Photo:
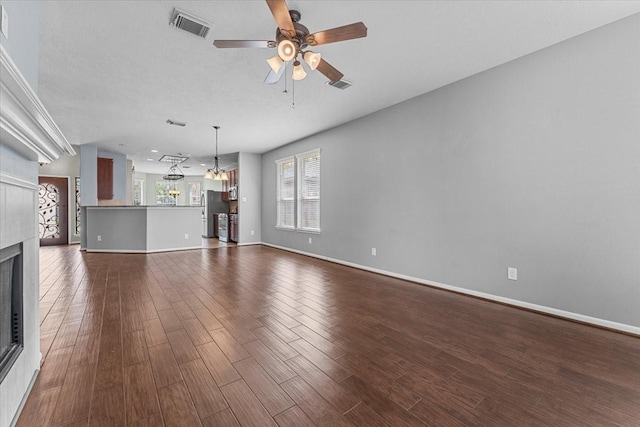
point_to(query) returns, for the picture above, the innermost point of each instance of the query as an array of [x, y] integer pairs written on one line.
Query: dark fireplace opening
[[11, 323]]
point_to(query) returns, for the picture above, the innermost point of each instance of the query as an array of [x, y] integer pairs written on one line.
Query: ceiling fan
[[292, 40]]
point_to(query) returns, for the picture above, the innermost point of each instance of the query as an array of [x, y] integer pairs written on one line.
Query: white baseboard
[[622, 327], [250, 244], [25, 397], [141, 251]]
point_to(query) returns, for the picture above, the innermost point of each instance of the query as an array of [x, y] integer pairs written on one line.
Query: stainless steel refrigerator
[[212, 205]]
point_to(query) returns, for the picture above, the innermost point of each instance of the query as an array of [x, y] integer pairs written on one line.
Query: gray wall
[[88, 175], [23, 44], [124, 229], [249, 201], [534, 164]]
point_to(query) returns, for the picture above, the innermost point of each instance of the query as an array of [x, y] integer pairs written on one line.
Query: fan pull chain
[[285, 78], [293, 94]]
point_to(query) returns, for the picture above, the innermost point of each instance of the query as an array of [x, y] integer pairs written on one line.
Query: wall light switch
[[244, 199], [99, 238], [186, 235], [253, 232], [4, 24], [373, 251], [310, 240], [512, 273]]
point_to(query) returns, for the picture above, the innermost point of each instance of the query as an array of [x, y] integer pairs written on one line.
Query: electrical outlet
[[512, 273], [310, 240], [373, 251], [99, 237], [186, 235], [253, 232]]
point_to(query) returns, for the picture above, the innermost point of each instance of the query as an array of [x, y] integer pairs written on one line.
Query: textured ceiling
[[113, 72]]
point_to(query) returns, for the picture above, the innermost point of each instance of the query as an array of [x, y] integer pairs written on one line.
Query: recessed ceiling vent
[[341, 84], [189, 23]]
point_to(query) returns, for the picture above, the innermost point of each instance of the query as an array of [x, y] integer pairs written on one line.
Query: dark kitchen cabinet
[[105, 178], [233, 178]]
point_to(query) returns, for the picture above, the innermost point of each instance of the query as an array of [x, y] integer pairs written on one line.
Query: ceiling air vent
[[341, 84], [189, 23]]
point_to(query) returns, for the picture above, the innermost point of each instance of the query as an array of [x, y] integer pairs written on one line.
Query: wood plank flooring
[[255, 336]]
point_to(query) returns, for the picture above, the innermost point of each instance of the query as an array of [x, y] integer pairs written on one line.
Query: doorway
[[53, 210]]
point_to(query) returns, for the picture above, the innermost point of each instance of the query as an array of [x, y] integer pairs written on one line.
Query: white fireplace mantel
[[28, 134], [25, 124]]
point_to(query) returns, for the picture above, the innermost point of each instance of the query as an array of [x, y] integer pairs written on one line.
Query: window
[[78, 205], [298, 192], [194, 194], [162, 193], [285, 193], [138, 192], [309, 191]]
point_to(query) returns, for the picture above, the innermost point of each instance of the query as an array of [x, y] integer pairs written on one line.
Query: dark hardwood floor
[[255, 336]]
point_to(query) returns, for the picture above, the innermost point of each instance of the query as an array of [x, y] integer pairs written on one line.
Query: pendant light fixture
[[216, 173], [174, 173]]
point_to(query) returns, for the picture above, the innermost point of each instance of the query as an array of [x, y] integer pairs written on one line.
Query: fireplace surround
[[28, 136], [11, 321]]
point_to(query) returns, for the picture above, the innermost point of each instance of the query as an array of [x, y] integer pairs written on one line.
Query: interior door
[[52, 211]]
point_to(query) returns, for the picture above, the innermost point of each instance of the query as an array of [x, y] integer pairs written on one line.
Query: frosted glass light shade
[[275, 63], [224, 176], [208, 174], [312, 59], [217, 177], [286, 50], [298, 71]]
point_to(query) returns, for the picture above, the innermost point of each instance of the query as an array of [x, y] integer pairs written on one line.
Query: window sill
[[308, 231], [301, 230]]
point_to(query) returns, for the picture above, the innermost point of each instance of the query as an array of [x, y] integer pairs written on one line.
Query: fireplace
[[11, 322]]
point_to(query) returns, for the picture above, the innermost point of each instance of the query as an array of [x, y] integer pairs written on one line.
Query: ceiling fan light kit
[[312, 59], [275, 63], [287, 50], [292, 37], [298, 71]]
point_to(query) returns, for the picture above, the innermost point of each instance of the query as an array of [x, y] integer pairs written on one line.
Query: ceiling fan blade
[[338, 34], [273, 78], [244, 43], [280, 12], [329, 71]]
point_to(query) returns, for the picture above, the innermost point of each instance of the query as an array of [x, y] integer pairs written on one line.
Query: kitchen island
[[140, 229]]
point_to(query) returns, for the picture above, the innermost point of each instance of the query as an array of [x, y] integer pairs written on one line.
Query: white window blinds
[[309, 191], [285, 193]]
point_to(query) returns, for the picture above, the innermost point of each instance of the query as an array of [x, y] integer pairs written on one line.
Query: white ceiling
[[113, 72]]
